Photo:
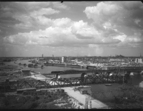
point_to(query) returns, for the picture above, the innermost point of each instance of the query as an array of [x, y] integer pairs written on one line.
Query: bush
[[34, 105], [131, 98]]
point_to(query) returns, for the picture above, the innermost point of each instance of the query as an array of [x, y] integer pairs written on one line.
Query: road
[[82, 97]]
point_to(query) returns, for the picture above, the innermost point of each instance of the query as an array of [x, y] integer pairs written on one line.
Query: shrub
[[131, 98]]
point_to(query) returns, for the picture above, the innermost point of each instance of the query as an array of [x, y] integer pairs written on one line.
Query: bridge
[[86, 77]]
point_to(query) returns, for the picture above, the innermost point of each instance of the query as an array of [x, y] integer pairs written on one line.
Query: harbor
[[71, 55]]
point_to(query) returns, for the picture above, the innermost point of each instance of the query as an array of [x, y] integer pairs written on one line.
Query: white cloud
[[98, 13], [130, 41], [62, 22], [122, 38], [66, 32], [137, 21], [30, 6], [107, 25], [35, 18], [85, 30], [44, 11], [111, 18], [62, 32]]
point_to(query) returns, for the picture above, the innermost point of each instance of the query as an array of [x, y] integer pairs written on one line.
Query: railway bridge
[[86, 77]]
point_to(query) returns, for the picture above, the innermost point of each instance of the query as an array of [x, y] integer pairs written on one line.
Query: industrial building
[[62, 60]]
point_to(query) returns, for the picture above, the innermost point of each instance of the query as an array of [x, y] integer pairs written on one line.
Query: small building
[[141, 84], [30, 65], [26, 72], [91, 67], [138, 60], [62, 60]]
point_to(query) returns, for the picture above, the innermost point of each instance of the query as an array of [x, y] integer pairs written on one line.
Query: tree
[[131, 98]]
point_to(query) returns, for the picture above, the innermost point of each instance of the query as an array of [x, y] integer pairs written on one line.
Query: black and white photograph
[[71, 55]]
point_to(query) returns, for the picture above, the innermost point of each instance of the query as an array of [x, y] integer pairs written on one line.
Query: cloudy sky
[[71, 28]]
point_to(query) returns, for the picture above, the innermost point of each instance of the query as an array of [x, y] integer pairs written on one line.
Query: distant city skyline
[[71, 28], [77, 56]]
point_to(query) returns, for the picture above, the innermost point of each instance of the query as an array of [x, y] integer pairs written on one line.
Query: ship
[[73, 66], [54, 64]]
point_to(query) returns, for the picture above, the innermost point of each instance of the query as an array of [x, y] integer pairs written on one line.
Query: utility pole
[[88, 102], [123, 77], [88, 93]]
